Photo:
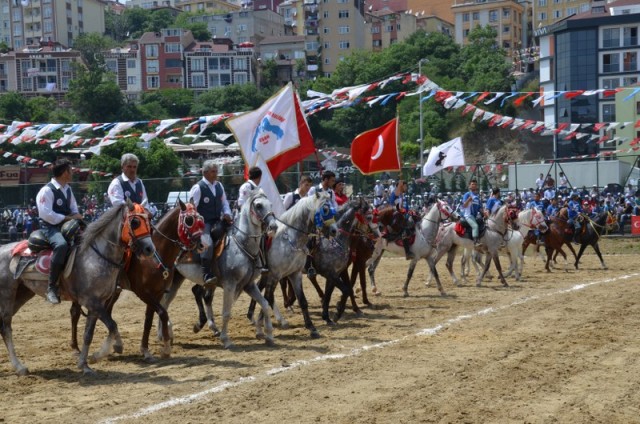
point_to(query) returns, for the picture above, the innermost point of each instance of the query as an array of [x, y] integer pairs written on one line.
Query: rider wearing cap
[[398, 200], [574, 209], [472, 207]]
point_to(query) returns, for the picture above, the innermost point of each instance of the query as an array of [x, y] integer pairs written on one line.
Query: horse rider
[[575, 209], [293, 197], [338, 190], [552, 209], [328, 181], [245, 191], [127, 185], [57, 205], [211, 202], [253, 183], [471, 208], [537, 203], [398, 199], [378, 193], [494, 202]]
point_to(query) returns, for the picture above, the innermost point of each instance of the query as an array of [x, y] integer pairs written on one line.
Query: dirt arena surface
[[559, 347]]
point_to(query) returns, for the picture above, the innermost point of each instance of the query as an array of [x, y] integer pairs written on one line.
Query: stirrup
[[209, 279]]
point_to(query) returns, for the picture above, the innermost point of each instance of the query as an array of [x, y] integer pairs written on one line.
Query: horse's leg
[[372, 264], [583, 247], [361, 271], [75, 311], [496, 260], [207, 298], [412, 267], [597, 249], [451, 255], [296, 280], [352, 296], [252, 290], [22, 296], [104, 314], [484, 270], [269, 294], [90, 327], [228, 299], [326, 299], [432, 267], [168, 297], [549, 250], [198, 294], [262, 284], [314, 281], [344, 285]]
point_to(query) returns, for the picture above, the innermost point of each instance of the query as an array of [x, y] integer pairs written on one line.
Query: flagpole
[[420, 109]]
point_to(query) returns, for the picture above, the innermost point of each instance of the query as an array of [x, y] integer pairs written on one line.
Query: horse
[[493, 239], [331, 256], [559, 234], [177, 233], [89, 278], [590, 234], [363, 243], [287, 257], [236, 268], [422, 247]]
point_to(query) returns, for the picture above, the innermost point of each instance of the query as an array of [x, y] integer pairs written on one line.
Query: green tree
[[159, 20], [4, 47], [176, 102], [13, 106], [41, 109], [91, 46], [199, 30], [94, 96], [232, 98], [116, 25], [136, 20], [485, 65]]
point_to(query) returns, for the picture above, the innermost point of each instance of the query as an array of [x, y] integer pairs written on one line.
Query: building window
[[214, 80], [327, 45], [476, 16], [557, 14], [197, 64], [325, 14], [172, 48], [389, 28], [132, 80], [465, 17], [506, 13], [611, 63], [327, 61], [343, 14], [493, 16], [608, 113], [343, 30], [153, 81], [637, 108], [572, 11], [377, 43], [225, 79], [197, 80], [630, 36], [325, 30], [610, 83], [152, 66], [174, 79], [240, 78], [628, 81], [343, 45], [629, 61], [173, 63], [542, 3], [375, 30], [112, 65], [610, 37], [241, 64], [225, 63], [131, 63], [465, 33], [506, 29], [151, 50], [213, 63], [542, 16]]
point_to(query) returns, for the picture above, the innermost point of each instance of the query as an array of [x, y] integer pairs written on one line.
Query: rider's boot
[[53, 295], [207, 275], [407, 249]]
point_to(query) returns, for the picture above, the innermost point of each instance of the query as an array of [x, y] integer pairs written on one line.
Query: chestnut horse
[[177, 233], [559, 234]]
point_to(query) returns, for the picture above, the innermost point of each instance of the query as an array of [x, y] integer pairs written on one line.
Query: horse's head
[[611, 222], [260, 213], [325, 220], [444, 210], [136, 229], [190, 226], [537, 221]]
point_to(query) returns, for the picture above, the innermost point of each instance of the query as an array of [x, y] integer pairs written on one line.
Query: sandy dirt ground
[[553, 348]]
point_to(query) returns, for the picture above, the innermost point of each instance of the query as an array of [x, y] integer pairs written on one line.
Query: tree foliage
[[94, 96], [92, 46]]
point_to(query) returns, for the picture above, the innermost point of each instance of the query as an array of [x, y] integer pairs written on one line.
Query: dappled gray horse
[[421, 248], [89, 278], [237, 267]]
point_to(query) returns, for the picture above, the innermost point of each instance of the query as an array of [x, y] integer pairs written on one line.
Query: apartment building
[[29, 22], [546, 12], [125, 64], [38, 71], [217, 63], [385, 27], [152, 4], [161, 58], [243, 26], [505, 16], [593, 50], [290, 55], [208, 6]]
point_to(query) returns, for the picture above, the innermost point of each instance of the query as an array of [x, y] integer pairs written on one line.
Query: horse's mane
[[298, 211], [94, 229]]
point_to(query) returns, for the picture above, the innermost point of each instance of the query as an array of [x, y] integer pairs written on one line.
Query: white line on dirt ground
[[220, 387]]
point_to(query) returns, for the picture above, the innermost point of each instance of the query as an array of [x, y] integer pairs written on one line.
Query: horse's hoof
[[285, 325], [314, 334], [150, 359], [269, 342], [330, 323], [92, 359], [443, 294], [260, 336], [118, 349], [216, 333], [86, 370], [359, 314], [196, 328], [165, 355], [405, 294], [22, 371]]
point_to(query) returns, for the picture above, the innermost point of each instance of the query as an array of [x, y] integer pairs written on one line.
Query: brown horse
[[177, 233], [560, 233]]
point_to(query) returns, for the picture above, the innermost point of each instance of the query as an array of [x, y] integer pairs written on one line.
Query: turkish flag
[[377, 150]]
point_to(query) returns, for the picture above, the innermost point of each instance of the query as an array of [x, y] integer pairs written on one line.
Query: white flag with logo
[[443, 156], [268, 131]]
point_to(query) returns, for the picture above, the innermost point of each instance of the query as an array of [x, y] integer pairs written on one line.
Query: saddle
[[24, 260], [464, 230], [399, 241]]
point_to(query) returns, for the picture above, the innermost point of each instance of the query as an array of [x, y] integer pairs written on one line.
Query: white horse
[[422, 247], [288, 254], [532, 219], [495, 236], [237, 267]]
